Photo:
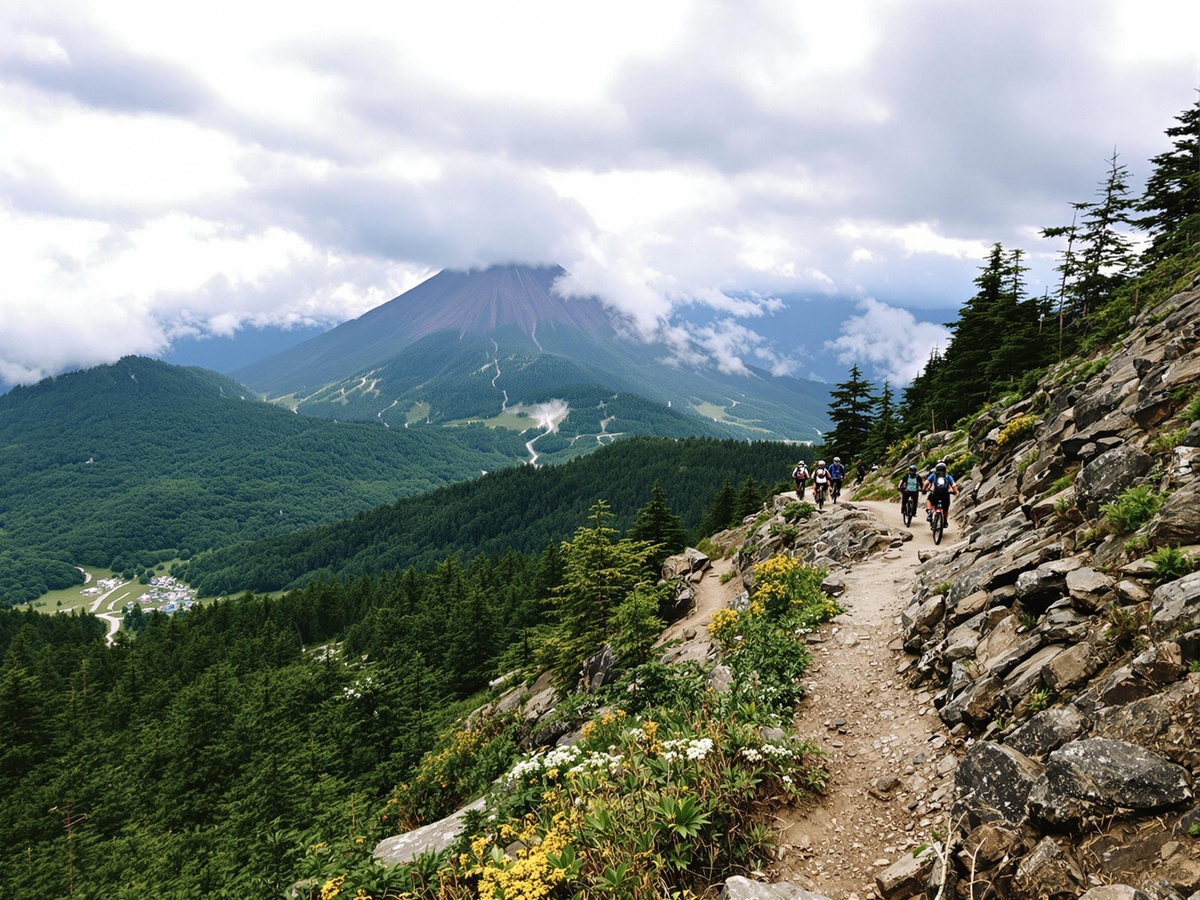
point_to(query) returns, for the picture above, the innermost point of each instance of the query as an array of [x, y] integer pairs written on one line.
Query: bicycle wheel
[[908, 511], [820, 499], [939, 525]]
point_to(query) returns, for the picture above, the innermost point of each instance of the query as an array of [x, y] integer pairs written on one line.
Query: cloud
[[888, 341], [175, 170]]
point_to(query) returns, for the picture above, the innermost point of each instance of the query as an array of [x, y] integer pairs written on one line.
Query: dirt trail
[[891, 759]]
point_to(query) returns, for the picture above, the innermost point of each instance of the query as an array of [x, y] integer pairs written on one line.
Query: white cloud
[[171, 169], [889, 341]]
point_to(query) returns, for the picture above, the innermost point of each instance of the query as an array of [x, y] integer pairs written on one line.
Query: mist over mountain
[[496, 345]]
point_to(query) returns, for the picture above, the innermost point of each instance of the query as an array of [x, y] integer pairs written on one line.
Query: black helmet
[[912, 468], [941, 466]]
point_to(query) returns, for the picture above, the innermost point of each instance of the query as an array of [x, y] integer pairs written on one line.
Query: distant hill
[[518, 510], [141, 455], [497, 345]]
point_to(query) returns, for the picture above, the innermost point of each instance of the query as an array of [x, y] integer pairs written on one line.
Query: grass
[[1132, 509]]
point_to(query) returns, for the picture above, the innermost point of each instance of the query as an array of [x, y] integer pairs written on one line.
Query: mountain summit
[[498, 345], [518, 298]]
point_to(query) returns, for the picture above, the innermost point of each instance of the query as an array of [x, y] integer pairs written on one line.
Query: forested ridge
[[518, 509], [141, 455]]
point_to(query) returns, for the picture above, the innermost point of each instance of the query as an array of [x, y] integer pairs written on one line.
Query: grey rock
[[432, 838], [1101, 777], [976, 703], [992, 785], [1175, 607], [1178, 521], [1041, 586], [739, 888], [1089, 590], [1102, 479], [1160, 663], [1048, 730], [1139, 722], [1072, 667], [906, 876], [1049, 872], [988, 845]]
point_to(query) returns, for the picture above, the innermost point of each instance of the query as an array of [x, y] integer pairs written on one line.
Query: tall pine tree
[[1171, 202], [852, 412]]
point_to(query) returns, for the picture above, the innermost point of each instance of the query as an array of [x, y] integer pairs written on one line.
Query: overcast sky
[[718, 172]]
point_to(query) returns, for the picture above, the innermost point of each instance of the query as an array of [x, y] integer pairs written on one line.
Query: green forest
[[518, 509], [259, 746]]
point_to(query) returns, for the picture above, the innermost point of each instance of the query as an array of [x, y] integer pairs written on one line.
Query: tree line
[[1003, 339]]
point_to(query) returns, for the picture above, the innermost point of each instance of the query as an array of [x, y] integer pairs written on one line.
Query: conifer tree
[[885, 427], [1171, 201], [851, 411], [748, 501], [599, 573], [657, 525], [721, 515]]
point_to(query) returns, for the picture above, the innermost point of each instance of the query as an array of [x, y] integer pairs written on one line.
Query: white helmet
[[837, 459], [820, 462]]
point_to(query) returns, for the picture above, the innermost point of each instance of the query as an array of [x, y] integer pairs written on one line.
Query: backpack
[[941, 482], [800, 472], [821, 473]]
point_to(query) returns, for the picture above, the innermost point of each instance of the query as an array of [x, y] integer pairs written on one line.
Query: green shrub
[[1171, 563], [1132, 509], [1191, 412], [798, 511]]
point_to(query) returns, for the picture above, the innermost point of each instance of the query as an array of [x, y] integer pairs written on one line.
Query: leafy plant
[[1125, 624], [1039, 699], [1171, 563], [1016, 430], [798, 511], [1132, 509]]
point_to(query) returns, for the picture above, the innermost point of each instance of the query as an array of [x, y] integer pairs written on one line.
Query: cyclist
[[800, 475], [860, 472], [837, 474], [909, 486], [939, 486], [820, 477]]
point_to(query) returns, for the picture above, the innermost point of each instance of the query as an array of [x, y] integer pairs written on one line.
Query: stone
[[1178, 521], [1048, 872], [1102, 479], [906, 876], [1048, 730], [975, 703], [988, 845], [1175, 607], [431, 838], [1139, 722], [1101, 777], [1072, 667], [1114, 892], [685, 564], [1161, 663], [992, 785], [1089, 590], [740, 888], [1045, 584], [918, 620], [968, 606]]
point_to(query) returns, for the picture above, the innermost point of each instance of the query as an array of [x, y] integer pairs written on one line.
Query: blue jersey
[[939, 484], [837, 472]]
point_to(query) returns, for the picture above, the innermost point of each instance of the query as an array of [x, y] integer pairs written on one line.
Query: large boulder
[[1102, 479], [740, 888], [1048, 730], [1102, 777], [992, 785]]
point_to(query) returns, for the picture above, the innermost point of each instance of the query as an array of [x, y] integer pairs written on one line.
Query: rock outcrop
[[1066, 649]]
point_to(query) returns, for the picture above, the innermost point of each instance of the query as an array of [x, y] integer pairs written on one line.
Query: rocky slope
[[1069, 659]]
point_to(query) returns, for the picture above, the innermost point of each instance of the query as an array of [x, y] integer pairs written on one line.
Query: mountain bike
[[908, 508], [835, 490], [937, 521], [819, 495]]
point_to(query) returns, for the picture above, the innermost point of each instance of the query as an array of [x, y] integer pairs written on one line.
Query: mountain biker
[[820, 477], [909, 486], [800, 474], [860, 472], [939, 486], [837, 474]]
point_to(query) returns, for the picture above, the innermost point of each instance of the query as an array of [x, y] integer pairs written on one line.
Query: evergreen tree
[[851, 411], [599, 573], [749, 500], [885, 428], [721, 515], [1099, 254], [1171, 202], [657, 525]]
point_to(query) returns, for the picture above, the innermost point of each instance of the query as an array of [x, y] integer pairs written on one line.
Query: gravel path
[[891, 759]]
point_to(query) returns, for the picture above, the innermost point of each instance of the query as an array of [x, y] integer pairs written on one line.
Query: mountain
[[144, 456], [500, 346]]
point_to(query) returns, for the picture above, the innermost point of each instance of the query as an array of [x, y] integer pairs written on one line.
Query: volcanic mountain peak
[[473, 302]]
